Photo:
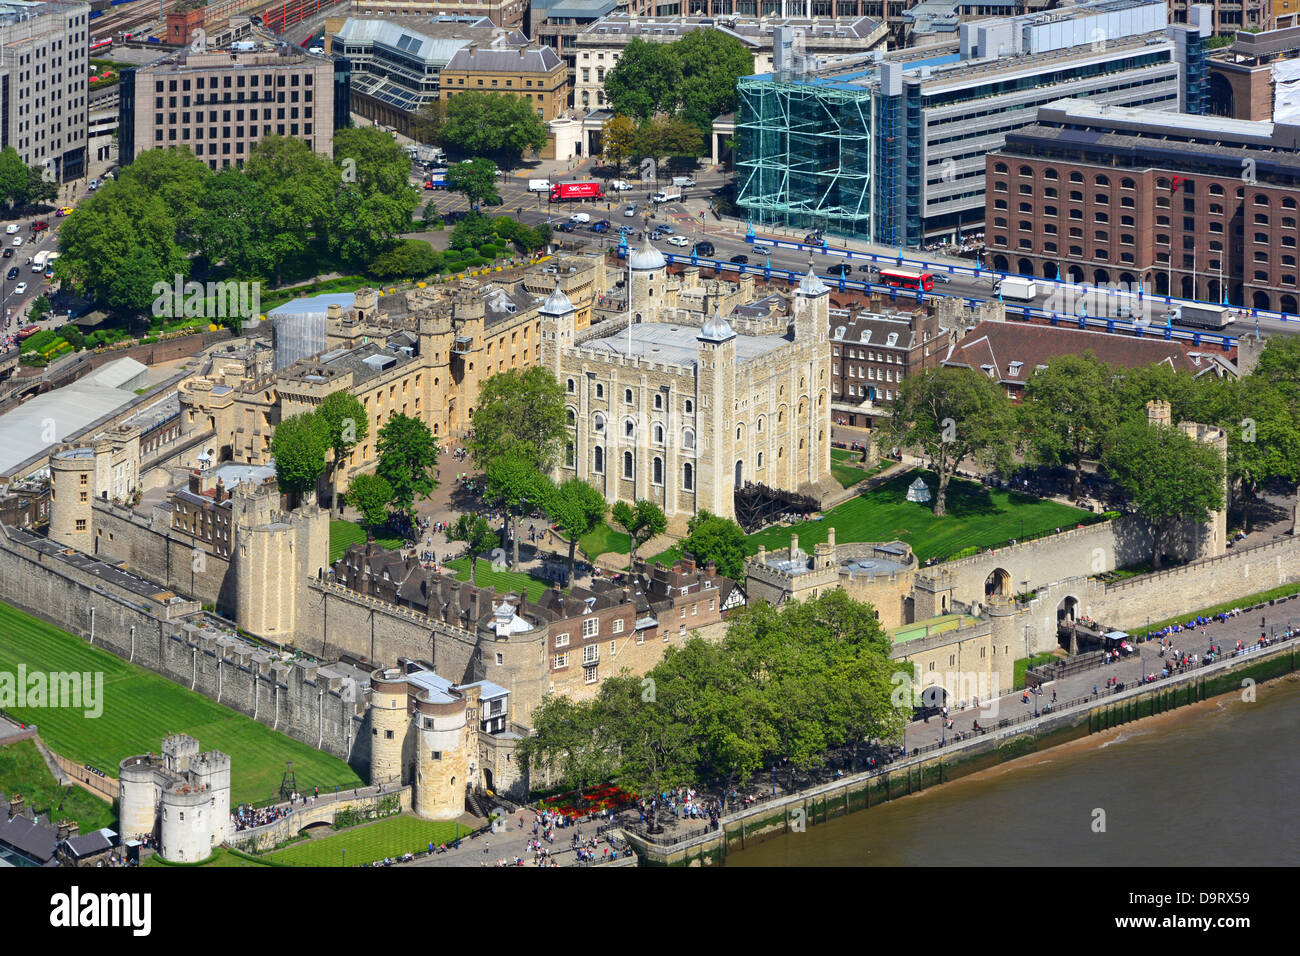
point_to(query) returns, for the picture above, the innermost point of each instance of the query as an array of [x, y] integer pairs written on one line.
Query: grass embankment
[[221, 857], [503, 581], [392, 836], [604, 540], [140, 708], [978, 517], [847, 468], [1024, 663], [23, 770]]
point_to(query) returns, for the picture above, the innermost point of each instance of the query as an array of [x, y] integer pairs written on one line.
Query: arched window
[[760, 425], [688, 477], [627, 464], [690, 407], [598, 424], [760, 459], [599, 466], [571, 386], [658, 471], [629, 429], [688, 438], [659, 401], [659, 434], [570, 417], [627, 396]]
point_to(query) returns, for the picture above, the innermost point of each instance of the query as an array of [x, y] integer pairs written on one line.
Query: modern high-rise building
[[890, 147], [43, 80], [220, 103]]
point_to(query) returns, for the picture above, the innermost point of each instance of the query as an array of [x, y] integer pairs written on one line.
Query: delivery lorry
[[1202, 316], [565, 192], [1014, 287], [668, 195]]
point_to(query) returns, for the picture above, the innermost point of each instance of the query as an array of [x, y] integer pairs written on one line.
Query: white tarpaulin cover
[[1286, 91]]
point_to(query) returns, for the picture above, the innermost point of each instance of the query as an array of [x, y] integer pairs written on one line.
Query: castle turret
[[444, 746], [649, 271], [717, 384], [72, 488], [138, 799], [388, 725]]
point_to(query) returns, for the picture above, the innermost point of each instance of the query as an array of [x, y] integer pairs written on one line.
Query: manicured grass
[[503, 581], [344, 534], [847, 472], [220, 857], [977, 517], [1024, 663], [140, 708], [23, 770], [603, 540], [391, 836]]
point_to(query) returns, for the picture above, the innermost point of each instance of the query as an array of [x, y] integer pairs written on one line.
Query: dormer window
[[989, 370], [1014, 369]]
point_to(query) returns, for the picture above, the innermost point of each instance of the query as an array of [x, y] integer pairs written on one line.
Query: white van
[[539, 185], [683, 181]]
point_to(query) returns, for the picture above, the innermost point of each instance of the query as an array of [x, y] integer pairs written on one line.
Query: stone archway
[[1067, 612], [997, 583]]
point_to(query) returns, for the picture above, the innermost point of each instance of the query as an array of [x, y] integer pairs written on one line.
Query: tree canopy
[[710, 537], [642, 521], [345, 422], [1070, 410], [299, 445], [519, 413], [502, 126], [577, 508], [476, 179], [408, 455], [693, 77], [478, 537], [371, 495]]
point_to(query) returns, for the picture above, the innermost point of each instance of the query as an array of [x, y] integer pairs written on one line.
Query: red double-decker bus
[[903, 279]]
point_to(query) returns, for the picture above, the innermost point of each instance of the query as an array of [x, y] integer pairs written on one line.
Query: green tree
[[520, 413], [374, 201], [647, 80], [1279, 364], [519, 487], [118, 246], [1168, 476], [665, 137], [426, 125], [711, 63], [227, 224], [299, 445], [642, 521], [294, 201], [713, 538], [501, 125], [41, 185], [951, 414], [568, 743], [408, 259], [616, 136], [1069, 411], [476, 179], [577, 508], [478, 537], [408, 455], [13, 178], [371, 495], [345, 418], [180, 179]]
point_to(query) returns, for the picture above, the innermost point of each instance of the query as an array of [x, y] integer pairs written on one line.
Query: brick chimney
[[196, 483], [64, 828], [710, 570], [688, 563], [15, 805]]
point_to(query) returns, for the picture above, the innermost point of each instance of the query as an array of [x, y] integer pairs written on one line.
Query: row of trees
[[168, 213], [23, 186], [656, 138], [784, 686], [693, 78], [1081, 409]]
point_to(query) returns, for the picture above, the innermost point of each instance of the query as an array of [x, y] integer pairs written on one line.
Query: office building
[[890, 147], [220, 103], [43, 84], [1195, 204], [536, 73]]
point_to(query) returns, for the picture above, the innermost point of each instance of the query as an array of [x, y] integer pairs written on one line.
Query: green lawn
[[391, 836], [344, 534], [977, 517], [1023, 664], [603, 540], [23, 770], [140, 708], [847, 470], [503, 581]]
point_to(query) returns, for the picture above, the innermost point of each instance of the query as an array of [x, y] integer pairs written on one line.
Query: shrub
[[149, 340]]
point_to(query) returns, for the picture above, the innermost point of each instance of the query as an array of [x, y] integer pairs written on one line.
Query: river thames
[[1217, 784]]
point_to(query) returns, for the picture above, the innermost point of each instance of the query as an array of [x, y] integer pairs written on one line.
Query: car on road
[[20, 288], [49, 273], [12, 274], [666, 229], [11, 228], [40, 226], [814, 238], [683, 181], [18, 240], [600, 227], [8, 253], [678, 241], [580, 219], [842, 269], [703, 249], [564, 227], [741, 260], [63, 211], [868, 269], [630, 211], [942, 277], [620, 185]]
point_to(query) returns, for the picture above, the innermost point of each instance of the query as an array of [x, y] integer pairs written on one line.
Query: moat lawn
[[978, 517], [140, 708], [391, 836], [503, 581], [23, 770]]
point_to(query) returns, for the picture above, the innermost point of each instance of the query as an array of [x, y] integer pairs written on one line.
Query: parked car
[[741, 260], [815, 238], [11, 228], [20, 288], [620, 185], [678, 241], [64, 211], [703, 249], [630, 211], [40, 226], [18, 240], [666, 229], [8, 253], [12, 274]]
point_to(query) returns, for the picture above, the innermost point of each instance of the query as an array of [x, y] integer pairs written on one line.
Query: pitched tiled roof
[[1015, 350]]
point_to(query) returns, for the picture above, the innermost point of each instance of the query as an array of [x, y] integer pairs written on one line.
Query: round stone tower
[[442, 765], [187, 823], [389, 723], [649, 270], [138, 801], [72, 488]]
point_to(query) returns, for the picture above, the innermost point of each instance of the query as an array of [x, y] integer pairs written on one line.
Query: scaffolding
[[804, 154]]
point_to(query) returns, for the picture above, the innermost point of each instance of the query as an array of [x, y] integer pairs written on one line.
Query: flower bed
[[577, 804]]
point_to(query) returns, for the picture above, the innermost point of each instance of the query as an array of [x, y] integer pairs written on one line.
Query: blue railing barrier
[[1111, 325]]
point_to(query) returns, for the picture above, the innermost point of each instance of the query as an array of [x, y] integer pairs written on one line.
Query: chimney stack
[[15, 805], [710, 570]]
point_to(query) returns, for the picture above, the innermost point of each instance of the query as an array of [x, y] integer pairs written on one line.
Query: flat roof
[[70, 409], [677, 344], [315, 304]]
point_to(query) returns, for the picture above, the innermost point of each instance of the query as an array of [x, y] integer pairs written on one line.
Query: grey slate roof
[[507, 60]]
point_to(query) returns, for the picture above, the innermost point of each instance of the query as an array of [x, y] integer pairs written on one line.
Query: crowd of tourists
[[246, 817]]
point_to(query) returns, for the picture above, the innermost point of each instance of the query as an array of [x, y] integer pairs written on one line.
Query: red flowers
[[595, 800]]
